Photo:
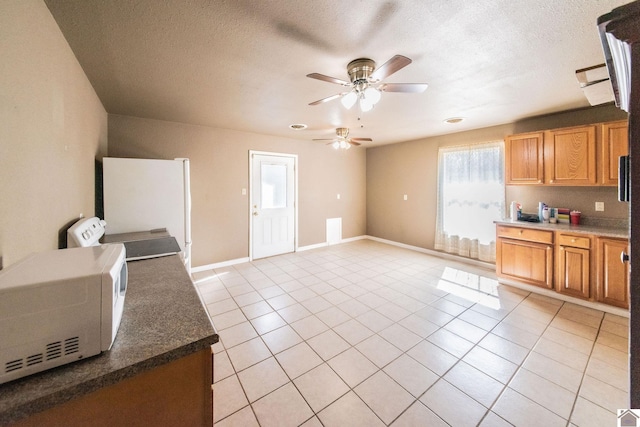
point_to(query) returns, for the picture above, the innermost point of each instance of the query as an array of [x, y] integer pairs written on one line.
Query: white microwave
[[60, 306]]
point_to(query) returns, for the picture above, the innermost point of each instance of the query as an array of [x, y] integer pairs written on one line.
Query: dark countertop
[[163, 320], [616, 230]]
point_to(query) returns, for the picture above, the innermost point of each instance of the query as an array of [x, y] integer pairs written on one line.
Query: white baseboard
[[219, 265], [445, 255], [309, 247]]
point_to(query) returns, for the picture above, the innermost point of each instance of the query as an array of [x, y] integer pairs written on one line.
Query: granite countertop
[[163, 320], [616, 229]]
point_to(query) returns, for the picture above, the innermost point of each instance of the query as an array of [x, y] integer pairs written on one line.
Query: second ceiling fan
[[365, 85], [342, 140]]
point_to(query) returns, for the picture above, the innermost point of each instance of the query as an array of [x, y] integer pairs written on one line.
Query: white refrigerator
[[148, 194]]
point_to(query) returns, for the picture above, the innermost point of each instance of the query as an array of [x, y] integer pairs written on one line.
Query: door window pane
[[274, 186]]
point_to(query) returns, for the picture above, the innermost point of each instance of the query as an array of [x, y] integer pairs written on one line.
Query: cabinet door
[[615, 143], [524, 158], [613, 274], [570, 156], [573, 271], [525, 261]]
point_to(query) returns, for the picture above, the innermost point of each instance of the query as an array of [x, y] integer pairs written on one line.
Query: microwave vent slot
[[54, 350], [13, 365], [34, 359], [71, 345]]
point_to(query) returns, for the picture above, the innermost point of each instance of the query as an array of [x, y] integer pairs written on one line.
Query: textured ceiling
[[241, 64]]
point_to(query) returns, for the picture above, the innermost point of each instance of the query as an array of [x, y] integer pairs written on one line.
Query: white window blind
[[470, 198]]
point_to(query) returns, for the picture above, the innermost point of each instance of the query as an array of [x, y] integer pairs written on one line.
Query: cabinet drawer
[[574, 241], [527, 234]]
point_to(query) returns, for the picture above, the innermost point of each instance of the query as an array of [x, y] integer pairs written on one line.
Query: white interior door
[[273, 213]]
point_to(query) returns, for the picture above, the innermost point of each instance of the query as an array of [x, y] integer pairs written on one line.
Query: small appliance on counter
[[60, 306]]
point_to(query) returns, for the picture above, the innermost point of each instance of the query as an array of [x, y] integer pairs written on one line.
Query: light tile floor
[[367, 334]]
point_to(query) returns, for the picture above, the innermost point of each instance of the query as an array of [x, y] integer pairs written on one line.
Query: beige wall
[[219, 171], [411, 168], [52, 127]]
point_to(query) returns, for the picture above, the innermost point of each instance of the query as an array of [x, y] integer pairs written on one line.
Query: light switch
[[600, 206], [338, 196], [406, 197], [244, 191]]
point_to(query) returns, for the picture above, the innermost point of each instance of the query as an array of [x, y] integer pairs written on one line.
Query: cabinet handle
[[624, 257], [521, 231]]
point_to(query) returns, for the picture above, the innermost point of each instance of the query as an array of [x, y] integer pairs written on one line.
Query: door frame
[[295, 195]]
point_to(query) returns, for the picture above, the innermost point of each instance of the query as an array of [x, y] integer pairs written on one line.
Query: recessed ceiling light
[[454, 120], [298, 126]]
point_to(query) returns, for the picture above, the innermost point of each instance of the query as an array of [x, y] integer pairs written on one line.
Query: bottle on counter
[[515, 207]]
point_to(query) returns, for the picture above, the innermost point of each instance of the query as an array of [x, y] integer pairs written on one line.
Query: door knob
[[624, 257], [255, 214]]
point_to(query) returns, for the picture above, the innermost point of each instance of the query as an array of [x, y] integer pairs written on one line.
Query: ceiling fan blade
[[328, 79], [323, 139], [362, 139], [352, 142], [327, 99], [403, 87], [391, 66]]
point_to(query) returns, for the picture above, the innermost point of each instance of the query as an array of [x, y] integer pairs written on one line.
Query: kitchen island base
[[177, 393]]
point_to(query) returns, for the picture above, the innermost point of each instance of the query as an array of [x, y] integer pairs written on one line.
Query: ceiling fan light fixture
[[336, 144], [372, 95], [365, 105], [349, 99]]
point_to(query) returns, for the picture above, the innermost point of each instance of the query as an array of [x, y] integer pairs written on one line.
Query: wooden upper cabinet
[[615, 143], [570, 156], [583, 155], [524, 158]]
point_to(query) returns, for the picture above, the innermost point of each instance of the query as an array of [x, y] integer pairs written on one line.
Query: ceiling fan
[[365, 83], [342, 140]]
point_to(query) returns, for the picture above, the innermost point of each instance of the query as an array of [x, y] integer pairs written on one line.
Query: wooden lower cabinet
[[573, 265], [528, 262], [178, 393], [574, 271], [579, 265], [613, 274]]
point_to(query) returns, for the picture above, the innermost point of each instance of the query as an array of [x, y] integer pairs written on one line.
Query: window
[[470, 198]]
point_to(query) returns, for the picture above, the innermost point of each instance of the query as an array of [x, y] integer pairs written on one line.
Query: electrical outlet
[[600, 206]]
